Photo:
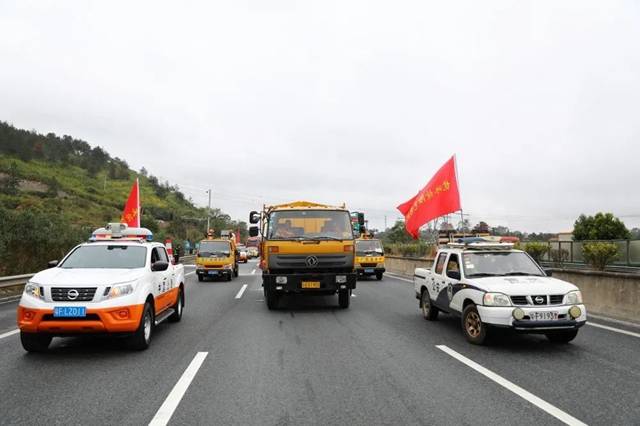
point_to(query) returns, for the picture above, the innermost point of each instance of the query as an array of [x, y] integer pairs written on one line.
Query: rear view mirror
[[455, 275], [548, 272], [361, 219], [159, 266], [254, 217], [52, 264], [254, 231]]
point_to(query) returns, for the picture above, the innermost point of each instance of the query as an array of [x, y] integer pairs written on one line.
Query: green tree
[[602, 226], [536, 250], [397, 234], [11, 183]]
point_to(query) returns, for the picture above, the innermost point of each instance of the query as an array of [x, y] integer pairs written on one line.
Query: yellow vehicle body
[[217, 258], [369, 258], [307, 248]]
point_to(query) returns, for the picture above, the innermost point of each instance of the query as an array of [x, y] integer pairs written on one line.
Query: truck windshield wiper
[[324, 237]]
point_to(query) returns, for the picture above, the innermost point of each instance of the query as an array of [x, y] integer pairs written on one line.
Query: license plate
[[311, 284], [543, 316], [69, 312], [369, 270], [213, 272]]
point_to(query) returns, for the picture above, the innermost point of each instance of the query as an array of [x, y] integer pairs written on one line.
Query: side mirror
[[254, 217], [454, 275], [548, 272], [361, 219], [254, 231], [159, 266], [52, 264]]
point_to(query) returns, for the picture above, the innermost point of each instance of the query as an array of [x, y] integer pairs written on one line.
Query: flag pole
[[138, 197]]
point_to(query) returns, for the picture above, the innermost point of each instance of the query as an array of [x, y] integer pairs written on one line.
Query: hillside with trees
[[54, 191]]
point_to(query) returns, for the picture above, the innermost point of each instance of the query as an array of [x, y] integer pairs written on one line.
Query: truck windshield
[[310, 225], [212, 248], [106, 257], [364, 247], [499, 264]]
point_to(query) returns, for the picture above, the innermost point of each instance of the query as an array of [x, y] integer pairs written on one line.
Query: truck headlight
[[281, 280], [496, 299], [227, 266], [33, 290], [573, 298], [120, 290], [341, 279]]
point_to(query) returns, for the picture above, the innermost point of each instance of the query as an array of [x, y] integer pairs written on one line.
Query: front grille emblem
[[311, 261], [72, 294], [539, 300]]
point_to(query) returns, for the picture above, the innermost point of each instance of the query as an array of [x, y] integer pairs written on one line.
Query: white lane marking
[[239, 295], [538, 402], [189, 266], [254, 271], [398, 277], [170, 404], [9, 333], [189, 273], [617, 330], [353, 295]]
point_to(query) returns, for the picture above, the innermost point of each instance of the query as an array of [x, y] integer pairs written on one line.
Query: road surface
[[232, 361]]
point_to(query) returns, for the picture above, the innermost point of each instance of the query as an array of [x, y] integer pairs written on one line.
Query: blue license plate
[[369, 271], [213, 272], [69, 312]]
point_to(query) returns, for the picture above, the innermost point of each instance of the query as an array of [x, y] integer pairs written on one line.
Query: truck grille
[[61, 294], [311, 262], [539, 300], [519, 300], [554, 299]]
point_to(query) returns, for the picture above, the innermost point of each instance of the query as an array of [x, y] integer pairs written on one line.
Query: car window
[[440, 263], [453, 265], [162, 254]]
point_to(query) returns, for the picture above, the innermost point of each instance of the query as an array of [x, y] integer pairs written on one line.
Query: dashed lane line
[[241, 292], [9, 333], [170, 404], [538, 402], [254, 271]]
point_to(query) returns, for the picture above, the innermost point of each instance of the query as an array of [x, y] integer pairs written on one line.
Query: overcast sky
[[345, 101]]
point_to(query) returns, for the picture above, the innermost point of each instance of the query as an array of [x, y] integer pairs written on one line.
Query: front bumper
[[219, 272], [327, 281], [121, 319], [370, 271], [503, 317]]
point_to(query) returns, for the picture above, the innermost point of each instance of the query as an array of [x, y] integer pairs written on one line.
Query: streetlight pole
[[209, 212]]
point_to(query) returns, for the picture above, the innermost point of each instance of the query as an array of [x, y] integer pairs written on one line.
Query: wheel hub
[[473, 324]]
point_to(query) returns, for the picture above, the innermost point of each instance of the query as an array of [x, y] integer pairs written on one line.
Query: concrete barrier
[[611, 294]]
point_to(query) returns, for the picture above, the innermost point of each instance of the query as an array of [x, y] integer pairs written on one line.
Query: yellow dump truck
[[306, 248], [369, 257], [217, 258]]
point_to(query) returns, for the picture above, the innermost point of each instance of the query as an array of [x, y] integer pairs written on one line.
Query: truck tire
[[177, 308], [272, 298], [475, 331], [379, 276], [236, 273], [429, 312], [562, 337], [344, 298], [35, 342], [141, 338], [200, 278]]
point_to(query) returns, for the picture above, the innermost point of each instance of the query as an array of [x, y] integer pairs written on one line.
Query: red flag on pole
[[439, 197], [131, 212]]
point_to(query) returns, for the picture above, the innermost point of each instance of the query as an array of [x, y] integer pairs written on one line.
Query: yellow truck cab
[[217, 258], [306, 248], [369, 257]]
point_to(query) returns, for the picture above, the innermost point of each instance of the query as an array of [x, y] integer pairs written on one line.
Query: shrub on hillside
[[536, 250], [599, 254]]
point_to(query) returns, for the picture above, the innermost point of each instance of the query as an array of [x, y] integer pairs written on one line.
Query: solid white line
[[9, 333], [253, 272], [398, 277], [617, 330], [170, 404], [189, 273], [540, 403], [239, 295]]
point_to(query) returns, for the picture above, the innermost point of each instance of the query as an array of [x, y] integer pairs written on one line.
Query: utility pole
[[385, 222], [208, 212]]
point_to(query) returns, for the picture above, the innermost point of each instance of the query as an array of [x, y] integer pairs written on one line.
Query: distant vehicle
[[369, 258], [120, 282], [307, 248], [253, 252], [491, 286], [217, 258], [244, 256]]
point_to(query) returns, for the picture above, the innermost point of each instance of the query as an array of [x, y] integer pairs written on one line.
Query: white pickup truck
[[119, 283], [492, 286]]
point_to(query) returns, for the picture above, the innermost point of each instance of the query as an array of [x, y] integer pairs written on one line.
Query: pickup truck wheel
[[177, 308], [141, 338], [474, 330], [344, 298], [378, 276], [429, 312], [562, 337], [34, 342], [272, 298]]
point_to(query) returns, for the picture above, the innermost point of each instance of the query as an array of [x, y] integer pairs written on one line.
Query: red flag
[[131, 212], [439, 197]]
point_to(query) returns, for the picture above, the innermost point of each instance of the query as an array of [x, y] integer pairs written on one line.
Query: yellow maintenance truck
[[369, 257], [306, 248], [217, 258]]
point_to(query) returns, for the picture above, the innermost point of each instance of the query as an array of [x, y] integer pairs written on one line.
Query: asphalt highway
[[232, 361]]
